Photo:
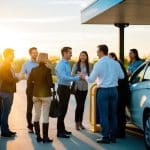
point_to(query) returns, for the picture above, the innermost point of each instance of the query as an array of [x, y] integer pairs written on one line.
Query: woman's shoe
[[77, 126], [45, 133], [81, 126]]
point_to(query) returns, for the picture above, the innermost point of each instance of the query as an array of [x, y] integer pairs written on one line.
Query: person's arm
[[23, 72], [74, 70], [60, 71], [120, 72], [49, 79], [7, 76], [94, 74]]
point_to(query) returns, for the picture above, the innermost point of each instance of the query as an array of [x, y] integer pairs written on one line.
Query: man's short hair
[[103, 48], [31, 49], [7, 52], [65, 50]]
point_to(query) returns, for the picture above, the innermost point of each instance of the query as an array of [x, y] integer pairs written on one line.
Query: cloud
[[38, 20]]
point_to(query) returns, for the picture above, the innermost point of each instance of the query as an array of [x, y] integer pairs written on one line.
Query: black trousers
[[29, 93], [80, 100], [64, 96], [123, 96]]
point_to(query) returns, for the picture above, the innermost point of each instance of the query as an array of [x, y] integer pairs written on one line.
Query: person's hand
[[82, 76], [129, 73]]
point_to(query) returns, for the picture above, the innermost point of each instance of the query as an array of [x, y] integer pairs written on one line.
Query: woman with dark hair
[[123, 97], [135, 61], [82, 66]]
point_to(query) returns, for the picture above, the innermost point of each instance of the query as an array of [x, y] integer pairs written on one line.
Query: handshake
[[82, 76]]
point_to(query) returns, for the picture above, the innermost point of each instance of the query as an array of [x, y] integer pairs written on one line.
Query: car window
[[138, 75], [147, 73]]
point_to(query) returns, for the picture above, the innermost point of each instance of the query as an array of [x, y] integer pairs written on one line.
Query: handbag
[[73, 88], [54, 107]]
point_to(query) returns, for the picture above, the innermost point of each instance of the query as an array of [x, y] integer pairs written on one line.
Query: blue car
[[139, 105]]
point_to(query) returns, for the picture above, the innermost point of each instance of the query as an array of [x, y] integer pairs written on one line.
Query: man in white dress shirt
[[106, 72]]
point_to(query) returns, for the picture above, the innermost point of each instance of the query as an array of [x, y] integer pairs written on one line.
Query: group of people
[[111, 98]]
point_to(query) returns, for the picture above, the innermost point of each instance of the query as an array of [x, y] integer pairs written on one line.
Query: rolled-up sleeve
[[94, 74], [61, 73]]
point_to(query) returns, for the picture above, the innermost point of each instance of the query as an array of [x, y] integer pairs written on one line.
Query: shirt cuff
[[76, 78]]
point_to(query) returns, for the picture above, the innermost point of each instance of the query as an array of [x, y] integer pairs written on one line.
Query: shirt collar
[[104, 57], [64, 60], [33, 61]]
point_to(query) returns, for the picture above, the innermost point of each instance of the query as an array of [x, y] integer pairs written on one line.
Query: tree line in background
[[53, 60]]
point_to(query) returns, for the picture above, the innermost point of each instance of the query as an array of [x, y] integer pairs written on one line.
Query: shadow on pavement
[[39, 146]]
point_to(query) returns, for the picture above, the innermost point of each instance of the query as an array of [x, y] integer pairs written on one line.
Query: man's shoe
[[67, 132], [62, 135], [121, 136], [112, 139], [11, 132], [104, 140], [30, 130], [48, 140], [8, 135]]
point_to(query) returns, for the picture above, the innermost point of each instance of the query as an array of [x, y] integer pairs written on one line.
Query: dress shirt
[[27, 67], [107, 72], [63, 72]]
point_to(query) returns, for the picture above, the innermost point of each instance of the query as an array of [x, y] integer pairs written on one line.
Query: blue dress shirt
[[63, 72], [27, 67]]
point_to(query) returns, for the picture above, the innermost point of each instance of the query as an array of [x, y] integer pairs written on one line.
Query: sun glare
[[12, 40]]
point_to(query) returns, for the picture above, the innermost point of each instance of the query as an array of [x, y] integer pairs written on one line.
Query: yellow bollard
[[92, 109]]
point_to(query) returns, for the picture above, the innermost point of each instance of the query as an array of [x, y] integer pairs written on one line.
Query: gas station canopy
[[121, 13], [134, 12]]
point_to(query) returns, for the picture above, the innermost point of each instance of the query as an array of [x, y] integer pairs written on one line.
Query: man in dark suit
[[7, 90]]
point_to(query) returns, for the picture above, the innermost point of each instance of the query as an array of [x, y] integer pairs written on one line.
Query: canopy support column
[[121, 27]]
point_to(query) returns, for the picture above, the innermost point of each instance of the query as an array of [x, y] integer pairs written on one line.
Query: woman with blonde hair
[[41, 78]]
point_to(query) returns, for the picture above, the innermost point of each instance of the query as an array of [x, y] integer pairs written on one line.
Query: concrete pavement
[[80, 140]]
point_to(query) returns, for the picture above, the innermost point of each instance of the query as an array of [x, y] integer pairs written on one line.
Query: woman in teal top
[[135, 61]]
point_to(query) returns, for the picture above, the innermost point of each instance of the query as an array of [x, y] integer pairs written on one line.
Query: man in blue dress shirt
[[26, 69], [63, 72]]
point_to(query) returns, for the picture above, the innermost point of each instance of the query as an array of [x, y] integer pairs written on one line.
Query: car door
[[137, 88]]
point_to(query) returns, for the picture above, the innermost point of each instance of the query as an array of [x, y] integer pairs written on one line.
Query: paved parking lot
[[79, 140]]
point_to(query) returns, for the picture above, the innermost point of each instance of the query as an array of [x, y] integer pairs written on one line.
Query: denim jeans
[[107, 99], [7, 100], [0, 109]]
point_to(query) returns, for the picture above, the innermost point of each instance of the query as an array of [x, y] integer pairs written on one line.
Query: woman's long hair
[[114, 56], [86, 62], [135, 51]]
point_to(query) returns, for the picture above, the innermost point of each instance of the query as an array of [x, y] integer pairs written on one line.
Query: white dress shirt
[[106, 73]]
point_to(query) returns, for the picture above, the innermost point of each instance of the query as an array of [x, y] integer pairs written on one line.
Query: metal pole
[[121, 27]]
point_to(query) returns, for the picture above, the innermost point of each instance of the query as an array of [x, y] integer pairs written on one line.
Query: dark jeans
[[107, 99], [29, 93], [64, 95], [7, 101], [80, 100], [0, 109]]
